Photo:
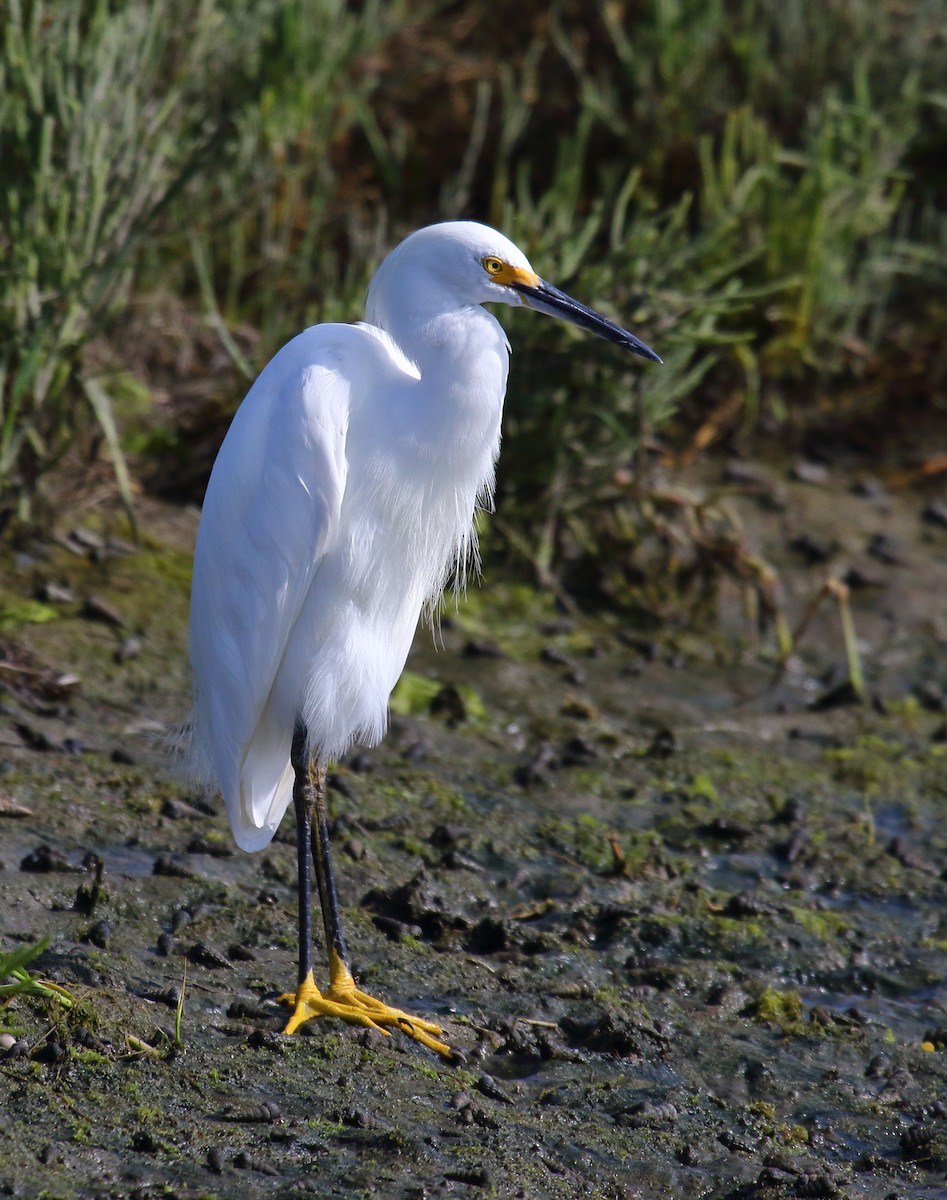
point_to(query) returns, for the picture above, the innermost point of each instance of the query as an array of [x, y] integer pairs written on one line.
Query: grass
[[757, 188], [16, 981]]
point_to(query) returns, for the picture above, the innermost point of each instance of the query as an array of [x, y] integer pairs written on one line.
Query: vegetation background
[[686, 906], [759, 187]]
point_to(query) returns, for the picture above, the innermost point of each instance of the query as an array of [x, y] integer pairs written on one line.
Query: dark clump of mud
[[682, 914]]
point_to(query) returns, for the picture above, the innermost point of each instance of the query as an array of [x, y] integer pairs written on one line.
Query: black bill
[[547, 299]]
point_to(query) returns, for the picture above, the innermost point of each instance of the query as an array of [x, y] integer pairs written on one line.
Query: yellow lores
[[502, 272]]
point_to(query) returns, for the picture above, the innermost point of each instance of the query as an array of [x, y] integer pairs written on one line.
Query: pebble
[[95, 609], [100, 934], [207, 956], [810, 472], [180, 918], [56, 593], [887, 549], [180, 810], [165, 945], [129, 649], [45, 859], [936, 513], [480, 648], [490, 1088], [50, 1052]]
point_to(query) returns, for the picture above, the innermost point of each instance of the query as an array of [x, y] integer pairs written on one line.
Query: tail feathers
[[259, 795], [257, 806]]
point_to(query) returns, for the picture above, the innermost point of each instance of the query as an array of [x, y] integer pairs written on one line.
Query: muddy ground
[[683, 918]]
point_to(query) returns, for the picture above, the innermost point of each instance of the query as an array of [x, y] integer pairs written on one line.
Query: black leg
[[303, 803], [325, 878], [343, 999]]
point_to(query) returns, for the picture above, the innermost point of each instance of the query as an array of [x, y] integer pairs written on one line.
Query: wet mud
[[681, 912]]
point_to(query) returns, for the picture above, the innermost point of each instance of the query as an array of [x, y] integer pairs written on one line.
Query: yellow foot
[[343, 999]]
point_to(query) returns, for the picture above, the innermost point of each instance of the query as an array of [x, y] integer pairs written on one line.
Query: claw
[[344, 1000]]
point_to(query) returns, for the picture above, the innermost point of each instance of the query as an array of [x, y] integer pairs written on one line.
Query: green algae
[[783, 1009]]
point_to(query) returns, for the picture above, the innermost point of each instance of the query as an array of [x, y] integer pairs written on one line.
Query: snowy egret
[[342, 498]]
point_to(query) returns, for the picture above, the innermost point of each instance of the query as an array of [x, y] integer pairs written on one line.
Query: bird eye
[[493, 266]]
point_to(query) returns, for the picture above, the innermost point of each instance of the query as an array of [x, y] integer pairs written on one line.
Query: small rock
[[812, 548], [50, 1052], [180, 810], [238, 952], [480, 648], [10, 808], [165, 945], [663, 744], [95, 609], [489, 1087], [168, 866], [869, 489], [936, 513], [857, 577], [254, 1114], [249, 1010], [578, 752], [100, 934], [887, 549], [249, 1162], [129, 649], [533, 772], [85, 539], [45, 859], [450, 704], [810, 472], [207, 956], [56, 593], [448, 835], [265, 1039], [145, 1142]]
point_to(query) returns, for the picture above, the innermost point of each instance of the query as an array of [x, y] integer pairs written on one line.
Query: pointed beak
[[546, 299]]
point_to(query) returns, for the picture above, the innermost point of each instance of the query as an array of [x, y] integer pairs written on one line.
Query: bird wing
[[271, 513]]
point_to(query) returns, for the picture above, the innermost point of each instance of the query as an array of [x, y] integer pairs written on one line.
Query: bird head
[[467, 263]]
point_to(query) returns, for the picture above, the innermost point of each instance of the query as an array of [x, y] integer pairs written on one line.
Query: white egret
[[342, 498]]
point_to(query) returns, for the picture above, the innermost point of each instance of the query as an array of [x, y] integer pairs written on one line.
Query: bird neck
[[451, 415], [450, 344], [434, 326]]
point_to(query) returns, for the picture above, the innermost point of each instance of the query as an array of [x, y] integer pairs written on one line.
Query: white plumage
[[343, 496]]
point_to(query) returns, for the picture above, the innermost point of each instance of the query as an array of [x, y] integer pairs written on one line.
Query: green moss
[[161, 564], [702, 786], [585, 838], [783, 1009], [874, 763], [17, 612], [743, 930], [762, 1108], [794, 1135], [89, 1058], [827, 926]]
